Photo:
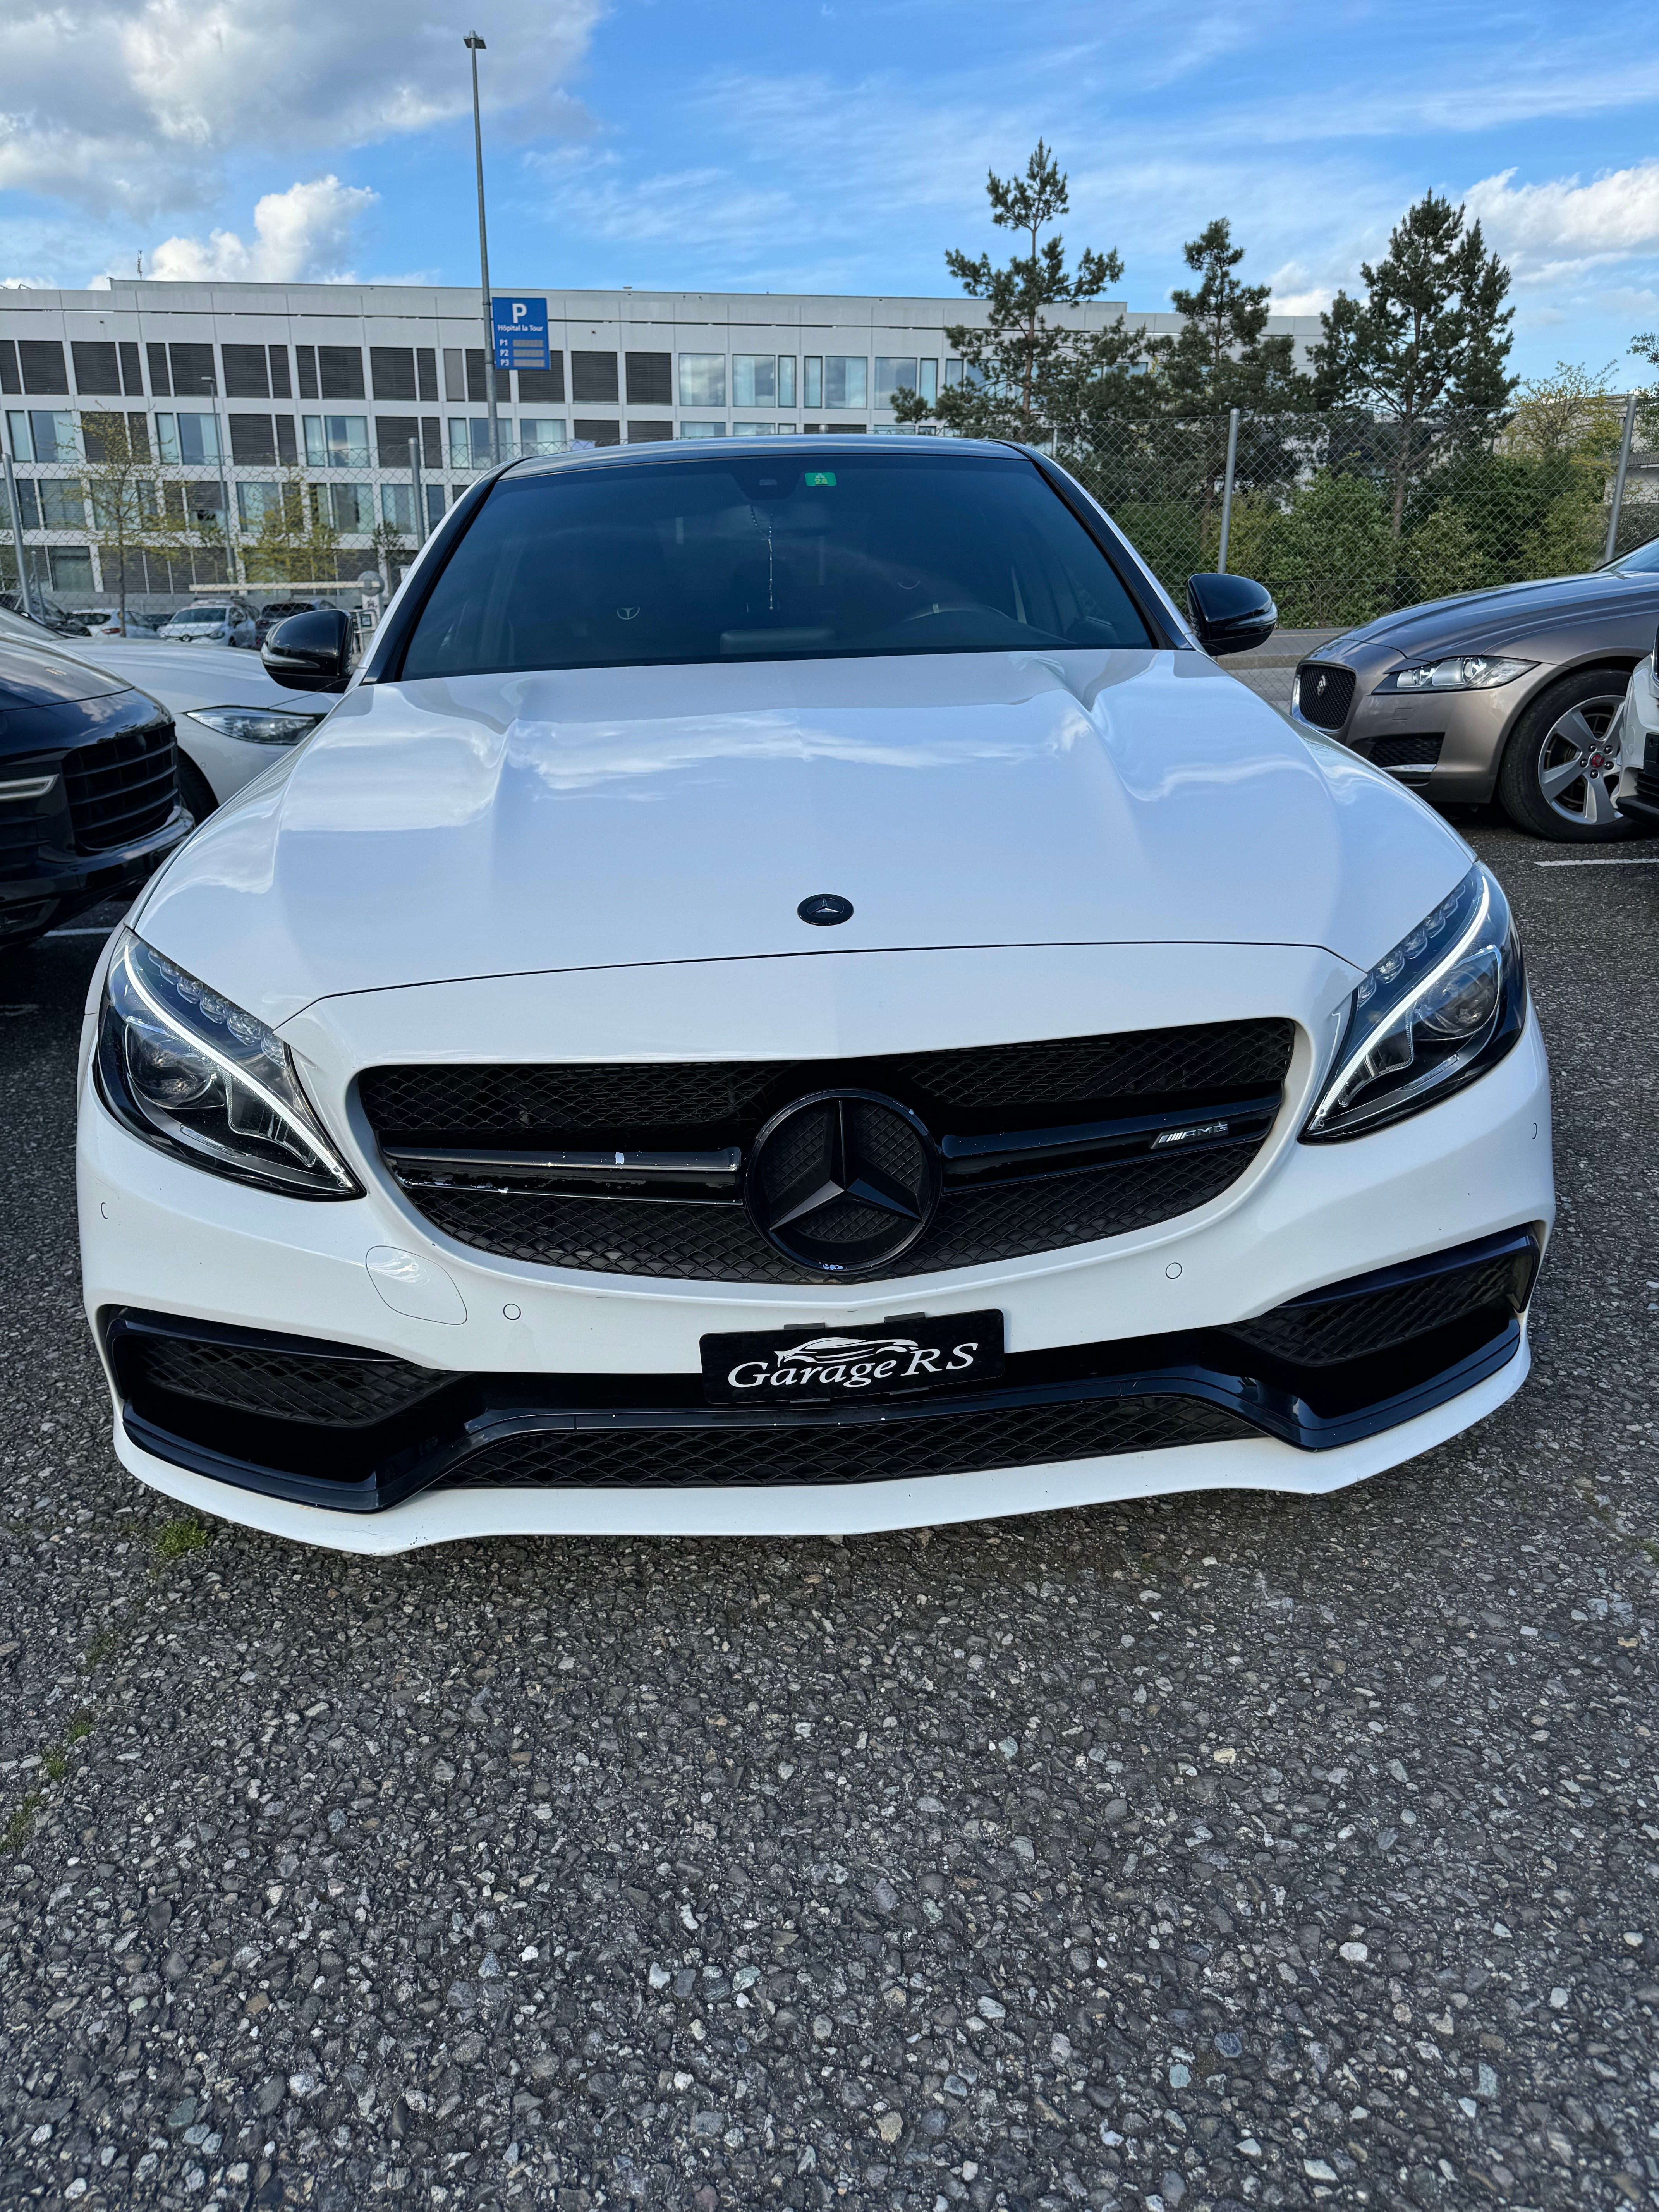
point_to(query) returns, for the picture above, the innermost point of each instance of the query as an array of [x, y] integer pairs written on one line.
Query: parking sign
[[520, 328]]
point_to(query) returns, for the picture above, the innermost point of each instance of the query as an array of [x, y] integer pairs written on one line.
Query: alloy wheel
[[1579, 762]]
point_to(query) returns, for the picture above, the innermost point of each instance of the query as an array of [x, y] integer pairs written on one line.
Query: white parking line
[[1596, 864]]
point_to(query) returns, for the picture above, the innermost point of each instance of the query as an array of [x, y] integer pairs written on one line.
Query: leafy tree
[[1427, 344], [1024, 376], [128, 515], [1571, 415], [1329, 558]]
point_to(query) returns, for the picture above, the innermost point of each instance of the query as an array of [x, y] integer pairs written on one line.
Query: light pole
[[475, 46]]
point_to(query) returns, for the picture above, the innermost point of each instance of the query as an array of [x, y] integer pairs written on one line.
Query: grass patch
[[20, 1823], [180, 1538]]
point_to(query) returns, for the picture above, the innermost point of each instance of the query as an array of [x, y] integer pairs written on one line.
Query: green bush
[[1329, 556]]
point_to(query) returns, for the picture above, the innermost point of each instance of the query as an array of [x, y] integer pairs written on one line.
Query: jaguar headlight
[[1462, 671], [196, 1076], [1439, 1009]]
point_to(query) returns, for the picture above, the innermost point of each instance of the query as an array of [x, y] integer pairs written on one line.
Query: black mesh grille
[[1324, 696], [730, 1100], [338, 1392], [122, 787], [730, 1458], [1421, 751], [720, 1244], [1326, 1333], [987, 1087]]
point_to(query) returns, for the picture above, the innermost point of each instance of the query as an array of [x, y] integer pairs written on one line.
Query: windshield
[[771, 556], [1640, 563], [202, 614]]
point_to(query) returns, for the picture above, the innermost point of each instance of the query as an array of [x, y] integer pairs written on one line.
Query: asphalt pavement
[[1232, 1851]]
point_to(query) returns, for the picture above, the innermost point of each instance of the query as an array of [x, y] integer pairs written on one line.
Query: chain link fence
[[1343, 515]]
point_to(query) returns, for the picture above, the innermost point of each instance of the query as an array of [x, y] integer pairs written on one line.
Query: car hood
[[593, 818], [1476, 622], [187, 676]]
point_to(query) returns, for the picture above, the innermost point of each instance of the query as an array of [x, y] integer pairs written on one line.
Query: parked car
[[136, 625], [231, 718], [790, 995], [276, 611], [219, 622], [88, 793], [1512, 694], [1637, 738]]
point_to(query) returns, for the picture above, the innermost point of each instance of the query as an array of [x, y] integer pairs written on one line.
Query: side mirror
[[313, 652], [1231, 613]]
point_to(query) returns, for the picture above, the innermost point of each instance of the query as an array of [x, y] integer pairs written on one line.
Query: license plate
[[767, 1366]]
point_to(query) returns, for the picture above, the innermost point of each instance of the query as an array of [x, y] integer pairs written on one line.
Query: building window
[[927, 380], [469, 442], [455, 374], [702, 380], [753, 380], [952, 371], [392, 371], [42, 365], [71, 569], [62, 505], [194, 376], [893, 373], [335, 441], [281, 385], [434, 505], [751, 429], [596, 432], [650, 379], [287, 451], [812, 379], [649, 433], [248, 372], [97, 366], [702, 429], [115, 437], [593, 378], [786, 380], [541, 433], [393, 434], [352, 508], [397, 507], [846, 379], [340, 371], [42, 436], [252, 443], [539, 386], [254, 501]]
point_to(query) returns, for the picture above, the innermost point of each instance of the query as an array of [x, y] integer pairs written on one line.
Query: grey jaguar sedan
[[1512, 694]]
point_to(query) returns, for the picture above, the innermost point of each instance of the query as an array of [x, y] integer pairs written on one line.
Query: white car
[[1636, 734], [792, 994], [215, 622], [232, 719]]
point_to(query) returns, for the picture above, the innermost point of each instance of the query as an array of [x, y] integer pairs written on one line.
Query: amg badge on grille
[[824, 910]]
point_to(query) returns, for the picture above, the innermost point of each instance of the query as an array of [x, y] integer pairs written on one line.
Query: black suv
[[88, 789]]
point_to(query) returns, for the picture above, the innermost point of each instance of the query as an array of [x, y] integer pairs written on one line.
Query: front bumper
[[51, 886], [537, 1352], [1446, 744]]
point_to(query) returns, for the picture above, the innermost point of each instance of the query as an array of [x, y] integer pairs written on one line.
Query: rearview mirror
[[1230, 614], [312, 651]]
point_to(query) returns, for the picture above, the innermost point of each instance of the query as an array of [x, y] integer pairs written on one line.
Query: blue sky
[[831, 145]]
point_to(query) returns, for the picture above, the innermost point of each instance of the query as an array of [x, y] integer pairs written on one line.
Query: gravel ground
[[1233, 1852]]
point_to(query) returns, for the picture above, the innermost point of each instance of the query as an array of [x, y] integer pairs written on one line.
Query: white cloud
[[115, 106], [303, 233], [1554, 229]]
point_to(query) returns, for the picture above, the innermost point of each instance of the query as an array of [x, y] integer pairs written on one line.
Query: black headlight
[[196, 1076], [1437, 1011]]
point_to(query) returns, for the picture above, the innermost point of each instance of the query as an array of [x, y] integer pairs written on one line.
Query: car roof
[[660, 451]]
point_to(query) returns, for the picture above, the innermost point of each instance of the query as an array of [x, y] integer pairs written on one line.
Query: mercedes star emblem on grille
[[842, 1182], [824, 910]]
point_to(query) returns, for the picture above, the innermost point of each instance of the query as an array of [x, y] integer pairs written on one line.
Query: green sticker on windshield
[[820, 476]]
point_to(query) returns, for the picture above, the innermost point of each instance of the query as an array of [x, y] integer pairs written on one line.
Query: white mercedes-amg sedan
[[791, 994]]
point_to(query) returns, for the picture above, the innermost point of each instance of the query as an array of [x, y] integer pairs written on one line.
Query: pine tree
[[1024, 376], [1223, 357], [1427, 344]]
